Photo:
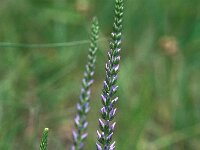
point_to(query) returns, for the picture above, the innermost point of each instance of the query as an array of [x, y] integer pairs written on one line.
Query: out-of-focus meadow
[[159, 105]]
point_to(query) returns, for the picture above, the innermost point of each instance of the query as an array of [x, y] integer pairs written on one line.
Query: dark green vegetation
[[159, 78]]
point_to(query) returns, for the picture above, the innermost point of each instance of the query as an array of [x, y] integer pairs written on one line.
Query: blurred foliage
[[159, 77]]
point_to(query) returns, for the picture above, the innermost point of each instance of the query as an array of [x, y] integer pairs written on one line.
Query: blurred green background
[[159, 106]]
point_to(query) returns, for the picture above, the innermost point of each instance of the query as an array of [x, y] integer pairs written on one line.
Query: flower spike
[[83, 105], [108, 98], [43, 144]]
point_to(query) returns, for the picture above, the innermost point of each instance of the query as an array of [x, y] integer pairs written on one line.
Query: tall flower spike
[[43, 144], [83, 105], [108, 97]]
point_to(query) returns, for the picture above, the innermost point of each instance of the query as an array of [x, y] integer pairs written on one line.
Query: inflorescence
[[44, 139], [83, 105], [108, 111]]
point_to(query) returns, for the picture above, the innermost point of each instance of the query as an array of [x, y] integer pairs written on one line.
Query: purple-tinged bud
[[117, 59], [106, 85], [81, 98], [77, 118], [75, 136], [114, 89], [98, 147], [81, 145], [101, 123], [113, 126], [103, 99], [116, 68], [87, 109], [103, 135], [83, 137], [85, 125], [73, 147], [90, 83], [99, 135], [78, 106], [112, 113], [104, 112], [88, 92], [114, 79], [109, 138], [112, 146]]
